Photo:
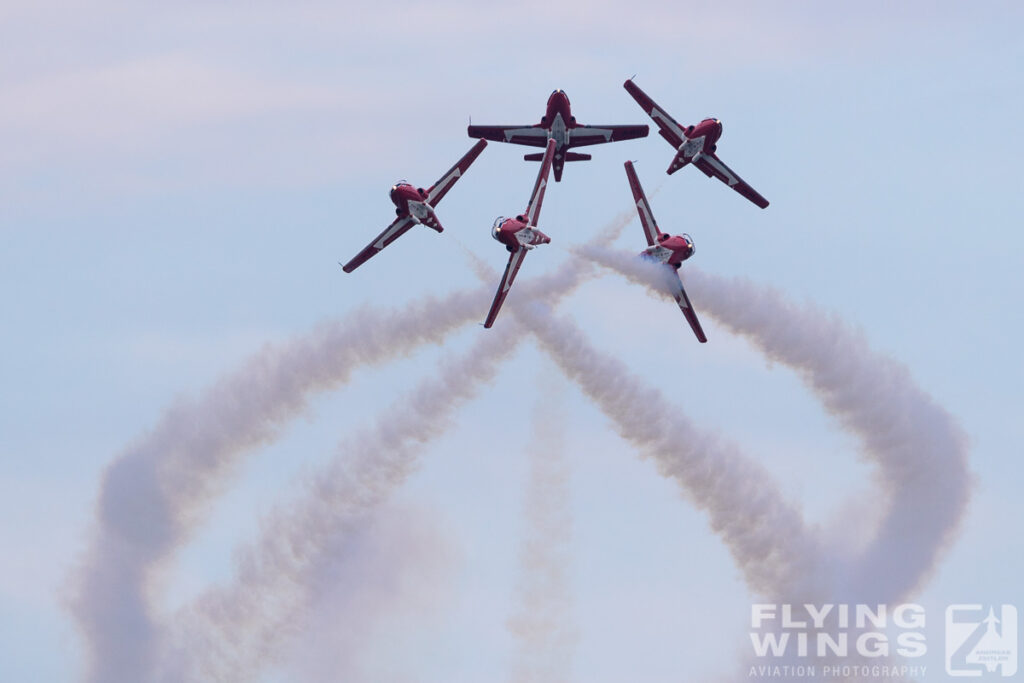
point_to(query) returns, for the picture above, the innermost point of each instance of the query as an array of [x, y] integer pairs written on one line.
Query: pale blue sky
[[178, 184]]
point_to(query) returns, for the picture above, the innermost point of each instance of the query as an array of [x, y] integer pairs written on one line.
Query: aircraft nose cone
[[558, 96]]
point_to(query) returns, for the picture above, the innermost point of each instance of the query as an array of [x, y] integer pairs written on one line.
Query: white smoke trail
[[919, 450], [258, 625], [154, 492], [745, 509], [542, 626], [398, 566], [232, 632], [766, 536]]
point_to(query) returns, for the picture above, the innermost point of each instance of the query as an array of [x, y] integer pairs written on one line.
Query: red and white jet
[[668, 250], [694, 145], [560, 125], [520, 234], [415, 206]]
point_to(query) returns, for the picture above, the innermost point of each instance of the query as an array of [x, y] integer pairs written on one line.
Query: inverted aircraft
[[520, 234], [695, 144], [667, 250], [415, 205], [560, 125]]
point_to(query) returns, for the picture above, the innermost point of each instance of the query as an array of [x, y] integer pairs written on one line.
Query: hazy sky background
[[177, 185]]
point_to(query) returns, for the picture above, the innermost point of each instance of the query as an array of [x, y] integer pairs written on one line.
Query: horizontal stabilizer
[[569, 156]]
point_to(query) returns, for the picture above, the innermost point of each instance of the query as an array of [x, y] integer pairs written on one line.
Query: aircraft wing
[[532, 212], [390, 234], [441, 187], [515, 260], [687, 309], [534, 136], [713, 167], [668, 127], [643, 207], [597, 135]]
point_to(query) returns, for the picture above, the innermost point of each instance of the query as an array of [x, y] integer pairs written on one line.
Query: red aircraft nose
[[558, 97]]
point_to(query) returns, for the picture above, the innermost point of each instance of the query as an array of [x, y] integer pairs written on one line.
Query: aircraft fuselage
[[411, 201], [516, 232], [701, 139], [671, 250]]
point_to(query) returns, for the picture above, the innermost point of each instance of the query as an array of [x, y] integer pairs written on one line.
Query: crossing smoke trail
[[765, 535], [222, 614], [542, 626], [154, 493], [221, 610], [776, 553], [742, 534], [234, 631], [780, 559], [919, 450]]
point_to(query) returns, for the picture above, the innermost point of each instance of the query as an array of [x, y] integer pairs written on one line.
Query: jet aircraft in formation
[[696, 144], [668, 250], [520, 234], [415, 206], [557, 133]]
